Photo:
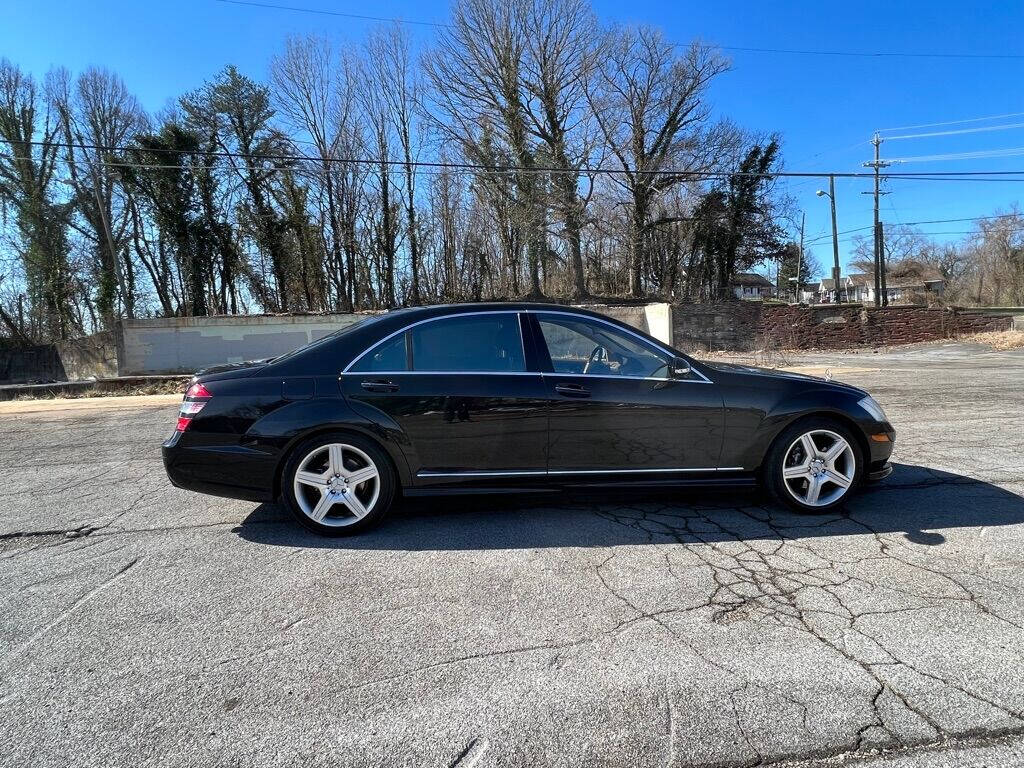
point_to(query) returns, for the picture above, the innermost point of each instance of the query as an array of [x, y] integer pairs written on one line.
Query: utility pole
[[835, 235], [880, 294], [800, 257]]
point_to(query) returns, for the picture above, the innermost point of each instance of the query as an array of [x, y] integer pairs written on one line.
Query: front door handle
[[572, 390], [379, 386]]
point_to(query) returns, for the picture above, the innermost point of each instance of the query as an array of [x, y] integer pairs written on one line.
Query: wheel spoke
[[327, 500], [355, 506], [837, 450], [810, 449], [837, 478], [813, 490], [792, 473], [311, 478], [334, 457], [360, 475]]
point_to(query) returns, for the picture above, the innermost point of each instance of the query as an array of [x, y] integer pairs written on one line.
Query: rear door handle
[[572, 390], [379, 386]]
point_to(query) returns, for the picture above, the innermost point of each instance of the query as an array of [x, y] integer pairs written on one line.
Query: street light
[[831, 195]]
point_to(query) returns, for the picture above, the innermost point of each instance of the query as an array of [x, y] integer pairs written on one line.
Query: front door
[[615, 406], [457, 390]]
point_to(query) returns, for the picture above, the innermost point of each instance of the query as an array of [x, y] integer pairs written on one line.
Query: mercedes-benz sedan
[[511, 398]]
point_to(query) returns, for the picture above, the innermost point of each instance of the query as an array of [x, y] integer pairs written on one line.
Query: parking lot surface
[[144, 625]]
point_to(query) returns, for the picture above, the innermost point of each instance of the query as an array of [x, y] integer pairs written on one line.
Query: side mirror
[[680, 368]]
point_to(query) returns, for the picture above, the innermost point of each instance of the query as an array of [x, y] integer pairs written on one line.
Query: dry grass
[[1000, 340], [155, 388]]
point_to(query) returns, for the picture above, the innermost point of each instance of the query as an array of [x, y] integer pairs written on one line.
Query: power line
[[741, 49], [359, 16], [982, 129], [876, 54], [1015, 175], [951, 122], [916, 223], [975, 155]]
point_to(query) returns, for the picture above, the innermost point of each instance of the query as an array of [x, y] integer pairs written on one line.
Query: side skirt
[[745, 480]]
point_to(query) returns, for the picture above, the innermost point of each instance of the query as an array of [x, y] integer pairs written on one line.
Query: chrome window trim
[[656, 345], [545, 472], [440, 373], [365, 352], [613, 377]]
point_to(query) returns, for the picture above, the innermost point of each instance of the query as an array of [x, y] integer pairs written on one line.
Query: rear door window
[[483, 343]]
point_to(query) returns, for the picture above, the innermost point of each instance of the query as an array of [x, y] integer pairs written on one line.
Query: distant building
[[913, 285], [750, 285]]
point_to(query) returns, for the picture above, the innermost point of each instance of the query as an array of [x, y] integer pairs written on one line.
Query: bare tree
[[28, 165], [651, 106], [393, 71], [476, 70], [556, 72], [97, 115], [314, 91]]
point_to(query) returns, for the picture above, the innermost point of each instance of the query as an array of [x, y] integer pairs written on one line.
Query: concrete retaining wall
[[90, 357], [744, 326], [186, 344]]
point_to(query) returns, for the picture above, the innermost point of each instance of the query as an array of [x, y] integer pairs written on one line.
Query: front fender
[[750, 431]]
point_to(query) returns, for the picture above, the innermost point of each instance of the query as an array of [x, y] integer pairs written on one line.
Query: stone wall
[[745, 326]]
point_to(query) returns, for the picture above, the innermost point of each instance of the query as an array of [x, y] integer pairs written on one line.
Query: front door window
[[585, 347]]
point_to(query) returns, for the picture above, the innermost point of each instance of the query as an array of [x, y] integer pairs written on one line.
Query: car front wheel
[[338, 484], [813, 466]]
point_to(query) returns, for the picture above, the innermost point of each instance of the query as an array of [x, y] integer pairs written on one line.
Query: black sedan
[[505, 398]]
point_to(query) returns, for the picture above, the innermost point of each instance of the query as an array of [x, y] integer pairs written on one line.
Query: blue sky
[[825, 107]]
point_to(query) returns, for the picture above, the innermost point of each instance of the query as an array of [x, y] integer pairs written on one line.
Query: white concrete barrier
[[186, 344]]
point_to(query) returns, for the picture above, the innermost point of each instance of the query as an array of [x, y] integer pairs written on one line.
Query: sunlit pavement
[[143, 625]]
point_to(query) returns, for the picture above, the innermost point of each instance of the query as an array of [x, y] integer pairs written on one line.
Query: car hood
[[773, 373], [231, 370]]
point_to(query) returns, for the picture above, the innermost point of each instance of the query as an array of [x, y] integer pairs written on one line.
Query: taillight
[[196, 397], [198, 390]]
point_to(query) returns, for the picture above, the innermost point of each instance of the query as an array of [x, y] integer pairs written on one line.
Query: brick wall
[[745, 326]]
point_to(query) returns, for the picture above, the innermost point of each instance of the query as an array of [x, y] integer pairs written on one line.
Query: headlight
[[869, 405]]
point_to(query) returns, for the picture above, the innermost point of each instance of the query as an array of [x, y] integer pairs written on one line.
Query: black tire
[[785, 493], [338, 513]]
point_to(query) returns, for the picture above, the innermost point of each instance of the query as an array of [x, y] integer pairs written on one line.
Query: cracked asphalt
[[143, 625]]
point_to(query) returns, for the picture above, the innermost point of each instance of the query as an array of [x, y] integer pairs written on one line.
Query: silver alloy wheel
[[336, 484], [819, 467]]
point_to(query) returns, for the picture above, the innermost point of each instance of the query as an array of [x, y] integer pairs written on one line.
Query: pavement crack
[[91, 594]]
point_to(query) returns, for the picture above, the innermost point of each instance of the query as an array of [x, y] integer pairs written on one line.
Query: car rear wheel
[[338, 484], [814, 466]]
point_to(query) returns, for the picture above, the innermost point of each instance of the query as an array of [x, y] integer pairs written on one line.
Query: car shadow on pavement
[[917, 501]]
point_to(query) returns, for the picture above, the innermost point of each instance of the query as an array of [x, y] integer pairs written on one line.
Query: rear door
[[614, 407], [458, 390]]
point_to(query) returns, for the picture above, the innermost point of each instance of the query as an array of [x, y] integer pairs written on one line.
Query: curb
[[54, 389]]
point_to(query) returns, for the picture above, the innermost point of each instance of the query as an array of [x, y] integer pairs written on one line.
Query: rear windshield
[[360, 323]]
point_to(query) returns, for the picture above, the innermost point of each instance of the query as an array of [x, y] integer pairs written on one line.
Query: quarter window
[[585, 347], [388, 356]]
